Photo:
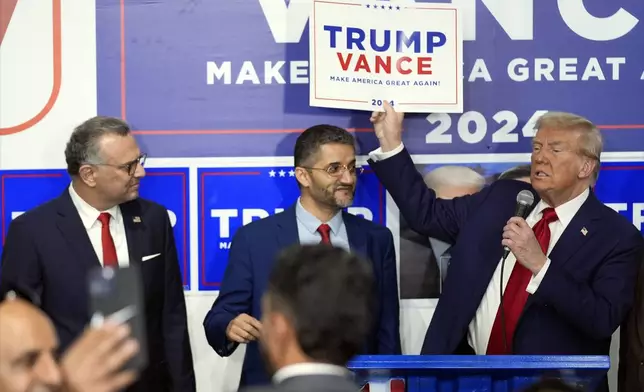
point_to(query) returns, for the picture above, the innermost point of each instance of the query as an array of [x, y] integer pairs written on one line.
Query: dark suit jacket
[[48, 251], [631, 345], [584, 296], [250, 261]]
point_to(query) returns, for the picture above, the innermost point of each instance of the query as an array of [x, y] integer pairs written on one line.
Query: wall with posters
[[218, 91]]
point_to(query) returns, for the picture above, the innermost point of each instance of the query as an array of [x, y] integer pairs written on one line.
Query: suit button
[[641, 363]]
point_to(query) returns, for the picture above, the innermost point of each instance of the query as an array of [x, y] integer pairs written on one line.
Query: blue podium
[[463, 373]]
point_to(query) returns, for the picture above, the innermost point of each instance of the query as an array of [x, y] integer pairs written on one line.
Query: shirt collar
[[311, 223], [439, 247], [566, 211], [309, 369], [88, 214]]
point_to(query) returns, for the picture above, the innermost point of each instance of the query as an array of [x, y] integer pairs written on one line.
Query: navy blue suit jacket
[[584, 296], [48, 252], [252, 253]]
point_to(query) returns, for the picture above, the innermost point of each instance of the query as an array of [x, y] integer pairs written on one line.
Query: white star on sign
[[282, 173], [271, 173], [291, 173]]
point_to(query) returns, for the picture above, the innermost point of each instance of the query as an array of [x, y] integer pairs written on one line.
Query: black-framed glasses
[[129, 167], [337, 170]]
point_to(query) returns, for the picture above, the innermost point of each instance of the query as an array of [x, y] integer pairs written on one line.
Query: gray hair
[[592, 143], [84, 144], [461, 176]]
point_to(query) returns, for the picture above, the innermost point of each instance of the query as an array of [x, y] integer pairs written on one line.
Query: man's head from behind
[[317, 308], [325, 165], [104, 158], [454, 181], [518, 173], [27, 349], [565, 156]]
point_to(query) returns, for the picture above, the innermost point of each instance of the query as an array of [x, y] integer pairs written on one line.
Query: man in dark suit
[[325, 169], [316, 314], [569, 278], [100, 221]]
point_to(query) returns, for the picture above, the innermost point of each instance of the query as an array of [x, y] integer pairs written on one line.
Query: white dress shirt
[[309, 369], [480, 327], [89, 216]]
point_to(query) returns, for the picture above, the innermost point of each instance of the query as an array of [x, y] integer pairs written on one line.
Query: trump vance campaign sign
[[364, 52]]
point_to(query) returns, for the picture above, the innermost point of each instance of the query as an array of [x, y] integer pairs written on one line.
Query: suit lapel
[[71, 227], [134, 229], [580, 231], [357, 237], [287, 234]]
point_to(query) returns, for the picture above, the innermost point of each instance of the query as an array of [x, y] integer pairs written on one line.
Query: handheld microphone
[[525, 198]]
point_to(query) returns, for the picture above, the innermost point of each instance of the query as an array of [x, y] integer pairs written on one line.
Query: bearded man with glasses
[[326, 173], [99, 220]]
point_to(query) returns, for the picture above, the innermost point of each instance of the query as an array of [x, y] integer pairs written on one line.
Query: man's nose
[[539, 156], [347, 177], [47, 372], [139, 172]]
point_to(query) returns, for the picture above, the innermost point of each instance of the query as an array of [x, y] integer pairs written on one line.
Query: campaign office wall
[[217, 93]]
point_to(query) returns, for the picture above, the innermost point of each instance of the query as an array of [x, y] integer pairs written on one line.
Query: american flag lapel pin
[[584, 231], [136, 219]]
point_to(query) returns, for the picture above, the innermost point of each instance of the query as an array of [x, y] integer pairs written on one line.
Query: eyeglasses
[[337, 170], [129, 167]]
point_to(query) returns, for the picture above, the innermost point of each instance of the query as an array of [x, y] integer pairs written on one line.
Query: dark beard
[[326, 196]]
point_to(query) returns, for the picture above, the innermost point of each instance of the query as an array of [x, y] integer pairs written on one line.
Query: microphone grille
[[525, 197]]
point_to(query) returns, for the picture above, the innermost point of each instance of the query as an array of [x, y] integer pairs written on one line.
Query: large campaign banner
[[22, 190], [231, 78], [233, 197], [214, 87], [621, 187]]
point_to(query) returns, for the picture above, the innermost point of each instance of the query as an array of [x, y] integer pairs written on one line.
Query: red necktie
[[324, 231], [515, 295], [109, 250]]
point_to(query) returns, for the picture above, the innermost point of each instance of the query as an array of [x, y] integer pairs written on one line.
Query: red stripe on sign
[[6, 12]]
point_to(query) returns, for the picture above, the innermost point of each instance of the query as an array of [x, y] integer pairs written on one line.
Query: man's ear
[[587, 168], [87, 175], [303, 177], [281, 326]]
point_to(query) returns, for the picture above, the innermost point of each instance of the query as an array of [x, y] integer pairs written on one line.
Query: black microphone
[[525, 198]]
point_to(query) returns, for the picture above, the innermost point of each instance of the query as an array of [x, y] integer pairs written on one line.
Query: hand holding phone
[[116, 297], [94, 360]]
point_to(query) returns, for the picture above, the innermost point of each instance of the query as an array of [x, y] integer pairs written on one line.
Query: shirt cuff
[[535, 281], [378, 155]]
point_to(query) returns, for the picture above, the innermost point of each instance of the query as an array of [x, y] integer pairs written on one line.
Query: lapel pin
[[136, 219], [584, 231]]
